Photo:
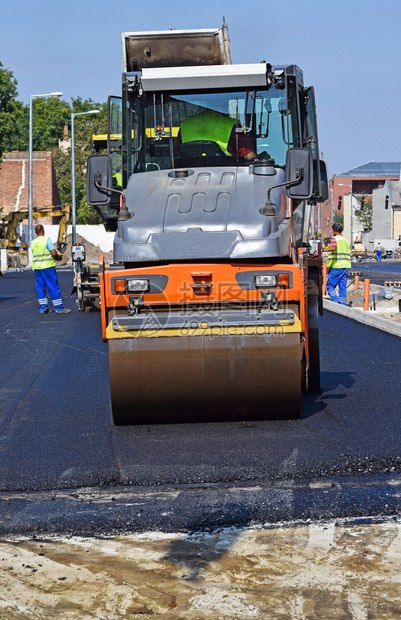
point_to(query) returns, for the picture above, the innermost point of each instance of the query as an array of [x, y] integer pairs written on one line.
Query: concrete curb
[[364, 317]]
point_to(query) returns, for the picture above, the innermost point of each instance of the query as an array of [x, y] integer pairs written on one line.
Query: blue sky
[[348, 49]]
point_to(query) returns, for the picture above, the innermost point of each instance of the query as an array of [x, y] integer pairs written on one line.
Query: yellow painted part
[[218, 330], [103, 137], [150, 132]]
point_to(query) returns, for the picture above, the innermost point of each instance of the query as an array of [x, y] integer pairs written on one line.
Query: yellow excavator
[[9, 237]]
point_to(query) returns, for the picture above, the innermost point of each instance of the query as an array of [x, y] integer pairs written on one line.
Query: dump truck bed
[[182, 48]]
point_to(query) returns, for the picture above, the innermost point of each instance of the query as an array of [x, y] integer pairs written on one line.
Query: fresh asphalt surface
[[378, 273], [65, 467]]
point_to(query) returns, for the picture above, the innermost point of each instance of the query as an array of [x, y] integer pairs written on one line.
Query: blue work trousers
[[47, 279], [338, 277]]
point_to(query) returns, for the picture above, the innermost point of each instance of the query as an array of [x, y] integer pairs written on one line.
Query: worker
[[378, 250], [118, 177], [44, 256], [215, 127], [338, 266]]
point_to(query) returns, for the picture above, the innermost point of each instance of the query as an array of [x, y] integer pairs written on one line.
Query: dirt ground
[[387, 308], [325, 571]]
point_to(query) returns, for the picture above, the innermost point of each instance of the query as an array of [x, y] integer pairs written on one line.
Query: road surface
[[65, 467]]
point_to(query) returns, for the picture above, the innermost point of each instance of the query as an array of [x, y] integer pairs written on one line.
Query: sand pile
[[92, 252]]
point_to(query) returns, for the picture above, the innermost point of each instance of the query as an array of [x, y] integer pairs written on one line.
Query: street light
[[30, 202], [73, 204]]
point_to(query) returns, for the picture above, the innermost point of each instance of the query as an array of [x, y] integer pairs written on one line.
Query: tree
[[338, 218], [85, 127], [49, 115], [365, 213], [13, 114]]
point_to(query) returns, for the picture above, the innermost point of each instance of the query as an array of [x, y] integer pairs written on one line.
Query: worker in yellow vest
[[118, 177], [44, 256], [338, 266], [211, 126]]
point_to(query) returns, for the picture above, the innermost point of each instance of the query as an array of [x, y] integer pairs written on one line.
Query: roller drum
[[188, 378]]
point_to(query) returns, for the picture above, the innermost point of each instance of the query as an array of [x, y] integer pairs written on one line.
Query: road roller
[[211, 305]]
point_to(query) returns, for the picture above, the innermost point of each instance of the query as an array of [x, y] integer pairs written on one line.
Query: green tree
[[338, 218], [13, 114], [85, 127], [365, 213], [49, 115]]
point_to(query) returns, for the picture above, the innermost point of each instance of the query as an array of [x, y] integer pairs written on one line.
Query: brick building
[[361, 180], [14, 175]]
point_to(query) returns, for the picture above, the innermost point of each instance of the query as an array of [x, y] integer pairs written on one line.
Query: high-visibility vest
[[341, 257], [41, 257], [208, 126], [119, 178]]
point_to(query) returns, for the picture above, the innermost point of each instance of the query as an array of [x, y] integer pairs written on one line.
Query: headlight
[[265, 281], [137, 286]]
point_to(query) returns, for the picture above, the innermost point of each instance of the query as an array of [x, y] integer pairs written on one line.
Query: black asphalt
[[379, 273], [64, 466]]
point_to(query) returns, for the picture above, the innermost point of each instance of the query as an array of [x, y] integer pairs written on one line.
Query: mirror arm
[[123, 214], [108, 189], [268, 208], [300, 176]]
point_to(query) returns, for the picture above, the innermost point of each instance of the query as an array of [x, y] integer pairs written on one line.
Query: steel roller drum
[[188, 378]]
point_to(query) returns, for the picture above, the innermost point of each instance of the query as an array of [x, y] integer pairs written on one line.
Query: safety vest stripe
[[43, 257]]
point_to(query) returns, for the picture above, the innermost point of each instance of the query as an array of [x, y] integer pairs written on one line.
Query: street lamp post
[[30, 192], [73, 203]]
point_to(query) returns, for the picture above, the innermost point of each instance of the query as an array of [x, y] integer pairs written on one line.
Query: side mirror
[[299, 173], [324, 183], [99, 174]]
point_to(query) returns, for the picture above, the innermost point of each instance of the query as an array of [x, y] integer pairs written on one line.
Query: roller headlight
[[265, 281], [137, 285]]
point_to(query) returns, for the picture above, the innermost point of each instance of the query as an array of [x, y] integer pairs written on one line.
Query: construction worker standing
[[338, 266], [44, 257]]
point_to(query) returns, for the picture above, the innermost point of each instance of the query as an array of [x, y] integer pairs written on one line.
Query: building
[[14, 175], [348, 187], [387, 211]]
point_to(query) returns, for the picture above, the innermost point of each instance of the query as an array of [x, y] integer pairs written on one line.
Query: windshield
[[174, 130]]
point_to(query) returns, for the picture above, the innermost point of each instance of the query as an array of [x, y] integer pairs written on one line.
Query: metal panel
[[188, 78], [226, 224]]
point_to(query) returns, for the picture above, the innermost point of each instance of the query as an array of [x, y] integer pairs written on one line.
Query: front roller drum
[[184, 378]]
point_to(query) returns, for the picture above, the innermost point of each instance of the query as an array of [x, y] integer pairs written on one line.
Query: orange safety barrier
[[356, 282], [366, 290], [324, 278]]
